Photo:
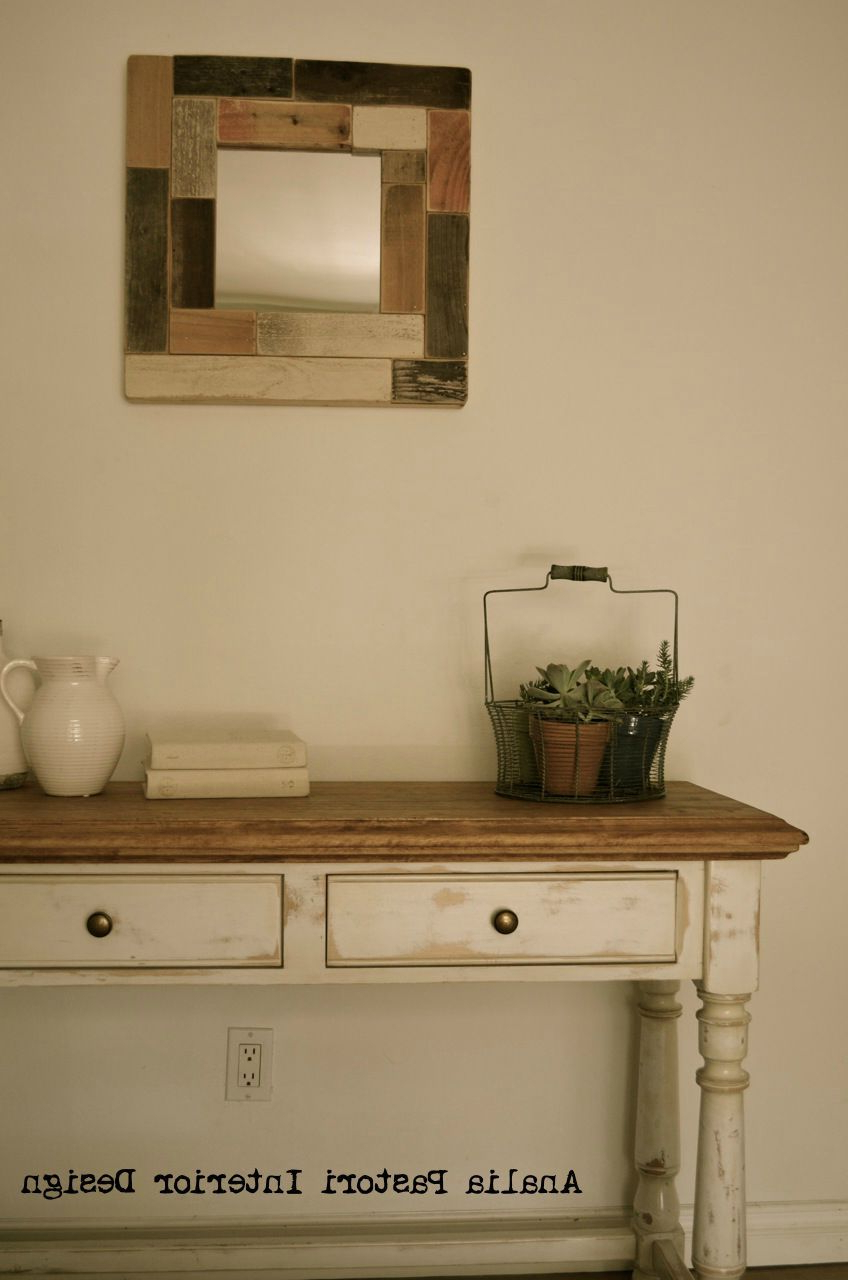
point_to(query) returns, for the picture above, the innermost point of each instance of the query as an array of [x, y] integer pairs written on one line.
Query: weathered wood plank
[[258, 380], [293, 126], [403, 233], [381, 83], [149, 82], [223, 77], [217, 333], [146, 262], [389, 128], [193, 253], [447, 284], [386, 821], [334, 333], [194, 151], [449, 149], [430, 382], [404, 166]]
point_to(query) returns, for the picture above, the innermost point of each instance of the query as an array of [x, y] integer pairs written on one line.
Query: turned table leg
[[656, 1208], [718, 1239]]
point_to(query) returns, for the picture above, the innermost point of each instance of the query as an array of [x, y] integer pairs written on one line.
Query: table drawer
[[153, 921], [449, 920]]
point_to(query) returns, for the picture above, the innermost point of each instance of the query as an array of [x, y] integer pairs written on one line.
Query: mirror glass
[[298, 230]]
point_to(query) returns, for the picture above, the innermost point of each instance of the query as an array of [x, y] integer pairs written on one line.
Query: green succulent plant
[[566, 693], [587, 692]]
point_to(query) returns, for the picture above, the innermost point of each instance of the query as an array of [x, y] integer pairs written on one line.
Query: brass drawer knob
[[505, 921], [99, 924]]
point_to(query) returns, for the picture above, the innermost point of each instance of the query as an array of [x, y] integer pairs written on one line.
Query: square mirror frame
[[180, 348]]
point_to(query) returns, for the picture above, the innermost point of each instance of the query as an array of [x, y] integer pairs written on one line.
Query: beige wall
[[658, 337]]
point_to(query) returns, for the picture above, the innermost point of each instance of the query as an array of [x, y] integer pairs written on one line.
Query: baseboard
[[792, 1232], [779, 1233], [391, 1249]]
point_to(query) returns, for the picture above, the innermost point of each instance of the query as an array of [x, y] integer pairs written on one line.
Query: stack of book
[[269, 762]]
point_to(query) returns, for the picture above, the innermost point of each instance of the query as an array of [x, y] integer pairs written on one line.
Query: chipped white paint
[[732, 926], [183, 920], [389, 129], [409, 920], [303, 915], [656, 1208], [718, 1242]]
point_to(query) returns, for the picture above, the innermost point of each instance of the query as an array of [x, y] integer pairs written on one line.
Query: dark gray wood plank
[[447, 285], [387, 83], [429, 382], [146, 264], [233, 77], [193, 253]]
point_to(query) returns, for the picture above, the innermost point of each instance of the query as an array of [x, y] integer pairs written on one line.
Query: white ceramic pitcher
[[73, 733]]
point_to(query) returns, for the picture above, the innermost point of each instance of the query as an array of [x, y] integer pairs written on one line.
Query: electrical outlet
[[249, 1063]]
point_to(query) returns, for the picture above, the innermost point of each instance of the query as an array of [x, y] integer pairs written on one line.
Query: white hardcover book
[[226, 749], [186, 784]]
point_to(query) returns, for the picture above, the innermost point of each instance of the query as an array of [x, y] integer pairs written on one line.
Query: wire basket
[[612, 756]]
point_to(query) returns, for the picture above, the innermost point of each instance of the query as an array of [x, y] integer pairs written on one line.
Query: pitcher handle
[[16, 662]]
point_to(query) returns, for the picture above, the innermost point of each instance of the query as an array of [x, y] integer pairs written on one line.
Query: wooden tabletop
[[381, 821]]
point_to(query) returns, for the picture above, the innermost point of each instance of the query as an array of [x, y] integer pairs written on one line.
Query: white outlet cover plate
[[264, 1038]]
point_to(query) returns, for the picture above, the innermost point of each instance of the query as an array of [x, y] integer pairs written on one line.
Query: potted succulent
[[570, 715], [650, 697], [601, 729]]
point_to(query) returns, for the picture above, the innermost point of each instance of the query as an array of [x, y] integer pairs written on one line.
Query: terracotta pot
[[569, 755]]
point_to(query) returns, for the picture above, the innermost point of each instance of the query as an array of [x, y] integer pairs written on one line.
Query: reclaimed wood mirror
[[181, 346]]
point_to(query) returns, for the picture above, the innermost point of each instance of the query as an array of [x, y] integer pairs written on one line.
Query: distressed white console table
[[422, 882]]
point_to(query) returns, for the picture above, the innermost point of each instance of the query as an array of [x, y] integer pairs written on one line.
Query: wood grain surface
[[258, 380], [389, 128], [291, 126], [448, 189], [339, 333], [209, 332], [194, 151], [404, 166], [226, 77], [402, 241], [447, 284], [385, 821], [193, 253], [430, 382], [382, 83], [146, 261], [149, 111]]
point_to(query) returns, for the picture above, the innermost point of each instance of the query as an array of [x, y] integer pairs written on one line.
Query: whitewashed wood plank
[[258, 380], [389, 129], [194, 158], [332, 333]]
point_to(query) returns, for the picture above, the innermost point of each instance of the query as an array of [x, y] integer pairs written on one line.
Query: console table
[[426, 882]]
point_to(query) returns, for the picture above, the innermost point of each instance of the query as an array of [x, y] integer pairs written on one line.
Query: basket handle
[[579, 573], [572, 573]]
